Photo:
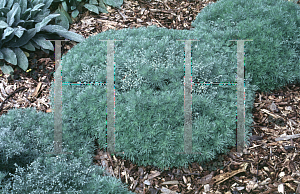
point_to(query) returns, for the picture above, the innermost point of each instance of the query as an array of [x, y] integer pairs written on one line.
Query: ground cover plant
[[26, 168], [273, 56], [211, 70], [149, 79], [149, 97]]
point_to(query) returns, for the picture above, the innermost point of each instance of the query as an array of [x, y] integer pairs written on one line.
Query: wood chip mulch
[[269, 165]]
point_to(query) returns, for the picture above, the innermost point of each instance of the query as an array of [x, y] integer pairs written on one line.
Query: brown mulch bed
[[269, 165]]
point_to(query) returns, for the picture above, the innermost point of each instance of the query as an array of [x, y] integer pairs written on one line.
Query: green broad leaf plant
[[23, 26], [75, 7]]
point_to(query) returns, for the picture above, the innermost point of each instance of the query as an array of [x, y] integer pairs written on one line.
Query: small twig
[[19, 89], [123, 16], [287, 137]]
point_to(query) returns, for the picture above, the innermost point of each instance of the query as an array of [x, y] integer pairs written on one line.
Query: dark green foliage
[[272, 58], [149, 112], [23, 24]]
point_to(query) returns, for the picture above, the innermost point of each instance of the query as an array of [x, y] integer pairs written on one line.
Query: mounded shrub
[[25, 135], [273, 57], [149, 75], [63, 175], [25, 167]]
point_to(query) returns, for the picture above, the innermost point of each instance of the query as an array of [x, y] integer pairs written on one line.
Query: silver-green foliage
[[75, 6], [25, 167], [273, 57], [23, 24], [149, 96], [25, 134], [61, 174]]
